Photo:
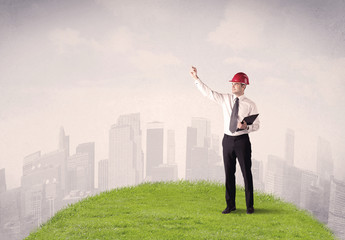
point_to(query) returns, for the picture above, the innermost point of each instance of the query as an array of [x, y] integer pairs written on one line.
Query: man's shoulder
[[248, 100]]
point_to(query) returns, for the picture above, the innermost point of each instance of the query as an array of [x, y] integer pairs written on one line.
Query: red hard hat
[[240, 78]]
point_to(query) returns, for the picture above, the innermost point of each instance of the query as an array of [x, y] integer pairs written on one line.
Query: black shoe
[[229, 210], [250, 210]]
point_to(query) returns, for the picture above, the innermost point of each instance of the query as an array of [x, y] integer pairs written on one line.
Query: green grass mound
[[179, 210]]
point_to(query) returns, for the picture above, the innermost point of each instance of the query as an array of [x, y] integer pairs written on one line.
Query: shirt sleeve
[[256, 124], [208, 92]]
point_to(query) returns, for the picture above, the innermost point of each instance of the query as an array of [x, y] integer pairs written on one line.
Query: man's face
[[238, 88]]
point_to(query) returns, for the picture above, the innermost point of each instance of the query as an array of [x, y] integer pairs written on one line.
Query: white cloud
[[323, 78], [152, 65], [67, 38], [120, 41], [252, 64], [118, 47], [241, 27]]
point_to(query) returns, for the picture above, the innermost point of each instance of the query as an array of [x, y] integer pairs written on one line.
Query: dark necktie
[[234, 117]]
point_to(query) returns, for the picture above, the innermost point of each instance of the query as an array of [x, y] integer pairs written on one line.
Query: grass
[[179, 210]]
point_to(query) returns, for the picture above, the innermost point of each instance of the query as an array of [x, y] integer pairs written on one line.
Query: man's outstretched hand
[[194, 72]]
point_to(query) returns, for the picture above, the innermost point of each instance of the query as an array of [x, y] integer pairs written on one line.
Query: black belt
[[237, 137]]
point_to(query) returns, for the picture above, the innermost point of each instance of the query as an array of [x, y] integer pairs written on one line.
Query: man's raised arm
[[204, 89]]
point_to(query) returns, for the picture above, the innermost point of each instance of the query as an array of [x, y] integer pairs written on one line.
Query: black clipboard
[[249, 120]]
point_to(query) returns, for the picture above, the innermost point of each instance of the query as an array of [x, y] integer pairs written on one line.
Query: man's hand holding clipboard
[[246, 121]]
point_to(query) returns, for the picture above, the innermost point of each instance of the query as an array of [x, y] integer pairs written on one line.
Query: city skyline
[[52, 180], [82, 64], [57, 70]]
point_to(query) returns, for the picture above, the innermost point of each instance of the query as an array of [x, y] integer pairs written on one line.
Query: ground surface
[[179, 210]]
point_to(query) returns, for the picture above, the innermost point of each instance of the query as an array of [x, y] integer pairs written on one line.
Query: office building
[[154, 147], [103, 175]]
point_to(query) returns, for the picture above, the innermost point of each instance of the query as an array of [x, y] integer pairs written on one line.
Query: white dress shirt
[[246, 108]]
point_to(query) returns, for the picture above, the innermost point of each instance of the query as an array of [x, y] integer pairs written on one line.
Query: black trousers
[[237, 147]]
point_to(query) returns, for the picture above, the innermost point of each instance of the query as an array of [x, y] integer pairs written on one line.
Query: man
[[236, 143]]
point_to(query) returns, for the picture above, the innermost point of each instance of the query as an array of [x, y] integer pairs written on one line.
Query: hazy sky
[[82, 63]]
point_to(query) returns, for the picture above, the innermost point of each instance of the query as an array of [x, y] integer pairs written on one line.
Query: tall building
[[63, 146], [215, 143], [215, 166], [324, 160], [275, 172], [3, 187], [197, 152], [290, 147], [80, 169], [171, 147], [324, 184], [154, 147], [103, 175], [308, 179], [292, 185], [133, 120], [258, 175], [336, 218], [199, 164], [89, 150], [203, 127], [121, 156], [191, 143], [41, 187], [10, 218], [126, 161]]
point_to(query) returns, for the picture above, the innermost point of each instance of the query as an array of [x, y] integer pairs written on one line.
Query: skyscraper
[[125, 152], [63, 146], [258, 178], [289, 147], [324, 160], [80, 168], [103, 175], [308, 179], [154, 147], [203, 127], [336, 218], [89, 149], [171, 147], [133, 120], [191, 143], [199, 164], [198, 147], [275, 175], [121, 156], [3, 187]]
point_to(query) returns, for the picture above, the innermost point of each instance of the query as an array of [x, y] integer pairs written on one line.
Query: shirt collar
[[239, 98]]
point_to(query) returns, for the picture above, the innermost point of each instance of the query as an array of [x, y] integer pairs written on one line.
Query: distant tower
[[64, 141], [121, 156], [336, 219], [191, 143], [154, 147], [171, 147], [3, 187], [64, 146], [103, 175], [275, 173], [125, 162], [324, 160], [289, 147], [203, 127], [133, 120], [89, 149]]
